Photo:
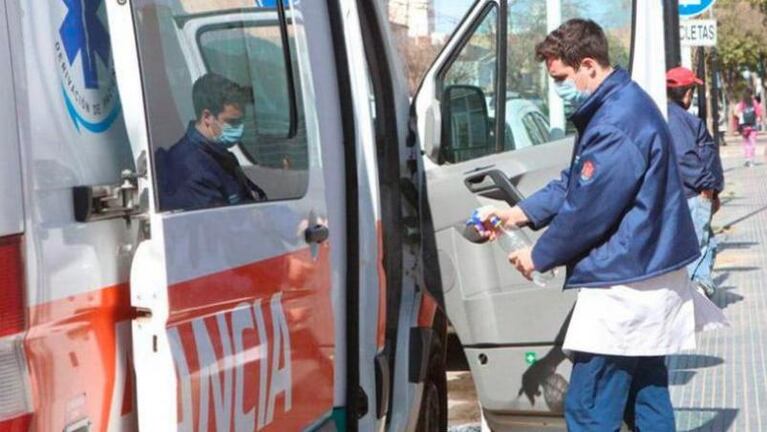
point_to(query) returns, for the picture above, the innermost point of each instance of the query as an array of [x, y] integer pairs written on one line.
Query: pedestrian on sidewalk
[[700, 167], [747, 112], [619, 221]]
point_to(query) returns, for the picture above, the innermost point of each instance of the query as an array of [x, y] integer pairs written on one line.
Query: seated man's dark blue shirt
[[197, 173]]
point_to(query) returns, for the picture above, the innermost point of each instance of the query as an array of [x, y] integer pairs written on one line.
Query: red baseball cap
[[681, 77]]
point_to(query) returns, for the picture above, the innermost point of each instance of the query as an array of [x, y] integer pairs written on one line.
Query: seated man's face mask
[[230, 134], [231, 127]]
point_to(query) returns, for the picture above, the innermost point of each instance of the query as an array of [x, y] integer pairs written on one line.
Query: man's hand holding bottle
[[493, 219], [504, 226]]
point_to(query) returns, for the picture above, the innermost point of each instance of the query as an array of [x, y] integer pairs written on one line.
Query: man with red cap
[[700, 167]]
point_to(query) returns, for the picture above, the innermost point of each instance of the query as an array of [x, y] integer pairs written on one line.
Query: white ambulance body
[[314, 310]]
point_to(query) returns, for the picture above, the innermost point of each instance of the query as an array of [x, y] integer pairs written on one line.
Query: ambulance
[[323, 307]]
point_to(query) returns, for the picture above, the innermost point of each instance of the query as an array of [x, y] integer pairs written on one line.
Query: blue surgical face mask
[[230, 135], [568, 91]]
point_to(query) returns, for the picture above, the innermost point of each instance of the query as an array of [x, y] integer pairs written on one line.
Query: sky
[[449, 13]]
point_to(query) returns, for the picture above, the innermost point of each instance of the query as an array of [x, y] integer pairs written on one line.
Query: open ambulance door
[[233, 323], [511, 330]]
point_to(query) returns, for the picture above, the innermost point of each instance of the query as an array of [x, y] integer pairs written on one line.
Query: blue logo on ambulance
[[85, 66], [273, 3], [690, 8]]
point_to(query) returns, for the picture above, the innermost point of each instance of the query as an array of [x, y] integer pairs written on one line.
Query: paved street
[[722, 385]]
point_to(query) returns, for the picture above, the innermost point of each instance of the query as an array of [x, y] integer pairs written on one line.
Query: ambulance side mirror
[[465, 124]]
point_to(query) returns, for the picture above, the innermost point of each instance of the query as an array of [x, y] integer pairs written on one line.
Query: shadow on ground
[[681, 367], [727, 245], [706, 419], [729, 224], [724, 297], [737, 269]]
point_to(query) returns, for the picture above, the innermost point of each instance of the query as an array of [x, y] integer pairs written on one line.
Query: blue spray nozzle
[[479, 225]]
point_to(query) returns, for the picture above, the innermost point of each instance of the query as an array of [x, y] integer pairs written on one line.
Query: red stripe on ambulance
[[254, 359]]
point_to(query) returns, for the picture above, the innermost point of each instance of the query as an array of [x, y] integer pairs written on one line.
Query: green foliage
[[742, 40], [619, 54]]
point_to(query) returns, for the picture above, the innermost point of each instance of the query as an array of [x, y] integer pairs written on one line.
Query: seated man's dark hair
[[573, 41], [212, 91]]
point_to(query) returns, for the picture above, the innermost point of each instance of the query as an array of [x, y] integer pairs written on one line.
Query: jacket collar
[[198, 139], [615, 81]]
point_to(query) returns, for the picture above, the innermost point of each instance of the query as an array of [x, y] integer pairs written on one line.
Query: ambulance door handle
[[485, 182], [137, 312], [316, 234]]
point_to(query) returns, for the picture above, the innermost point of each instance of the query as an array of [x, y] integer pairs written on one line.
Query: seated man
[[199, 171]]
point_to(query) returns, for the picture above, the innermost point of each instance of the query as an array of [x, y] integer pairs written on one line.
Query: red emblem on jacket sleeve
[[587, 171]]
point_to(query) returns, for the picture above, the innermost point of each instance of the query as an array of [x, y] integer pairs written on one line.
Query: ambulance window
[[222, 46], [543, 127], [223, 102], [474, 67], [419, 29], [534, 114], [527, 80], [533, 129], [615, 17]]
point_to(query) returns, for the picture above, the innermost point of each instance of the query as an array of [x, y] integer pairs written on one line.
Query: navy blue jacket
[[196, 173], [696, 152], [618, 214]]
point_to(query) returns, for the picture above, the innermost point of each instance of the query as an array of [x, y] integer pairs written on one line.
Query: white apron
[[654, 317]]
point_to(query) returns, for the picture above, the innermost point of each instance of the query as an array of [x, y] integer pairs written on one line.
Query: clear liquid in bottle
[[513, 239]]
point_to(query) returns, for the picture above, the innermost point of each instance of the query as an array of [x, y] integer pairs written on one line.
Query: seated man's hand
[[522, 260]]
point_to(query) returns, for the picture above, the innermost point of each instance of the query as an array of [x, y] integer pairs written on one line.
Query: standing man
[[618, 220], [700, 168]]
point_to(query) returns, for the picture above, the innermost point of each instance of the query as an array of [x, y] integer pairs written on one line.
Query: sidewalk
[[722, 386]]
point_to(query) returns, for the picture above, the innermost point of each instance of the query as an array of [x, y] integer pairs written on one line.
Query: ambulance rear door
[[234, 323], [492, 131]]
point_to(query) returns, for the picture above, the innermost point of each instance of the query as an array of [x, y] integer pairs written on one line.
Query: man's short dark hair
[[212, 92], [573, 41], [676, 94]]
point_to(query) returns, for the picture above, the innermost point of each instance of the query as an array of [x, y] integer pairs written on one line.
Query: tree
[[742, 43]]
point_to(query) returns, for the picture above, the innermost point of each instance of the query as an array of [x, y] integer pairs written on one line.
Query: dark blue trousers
[[605, 390]]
